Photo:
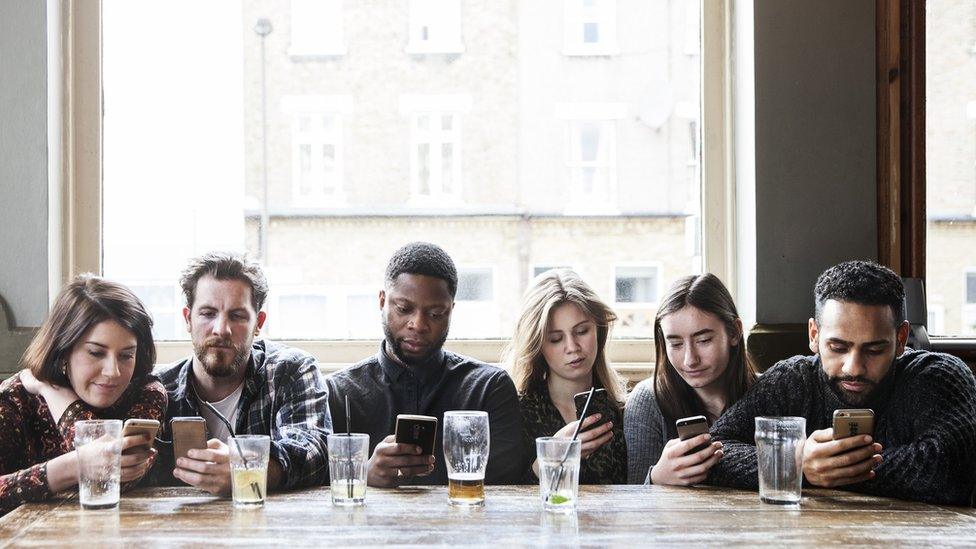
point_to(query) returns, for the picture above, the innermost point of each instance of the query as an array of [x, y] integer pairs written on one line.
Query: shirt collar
[[394, 369]]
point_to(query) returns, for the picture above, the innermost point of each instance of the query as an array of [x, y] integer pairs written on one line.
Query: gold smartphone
[[188, 433], [850, 422], [137, 426]]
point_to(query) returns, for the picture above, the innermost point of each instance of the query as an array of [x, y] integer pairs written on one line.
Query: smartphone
[[419, 430], [599, 405], [691, 427], [188, 433], [853, 421], [136, 426]]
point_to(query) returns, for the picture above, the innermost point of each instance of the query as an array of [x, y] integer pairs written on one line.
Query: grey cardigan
[[645, 431]]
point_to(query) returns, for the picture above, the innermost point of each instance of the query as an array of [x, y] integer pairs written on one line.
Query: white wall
[[23, 160]]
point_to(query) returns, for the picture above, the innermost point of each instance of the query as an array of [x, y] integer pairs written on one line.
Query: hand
[[206, 469], [137, 454], [830, 463], [31, 385], [57, 398], [590, 439], [676, 468], [393, 463]]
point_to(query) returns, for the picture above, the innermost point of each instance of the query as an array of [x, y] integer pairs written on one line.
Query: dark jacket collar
[[394, 369]]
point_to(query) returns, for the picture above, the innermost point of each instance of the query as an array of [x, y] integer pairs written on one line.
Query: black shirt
[[379, 388]]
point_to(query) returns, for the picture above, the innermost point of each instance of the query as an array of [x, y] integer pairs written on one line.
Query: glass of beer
[[99, 446], [348, 458], [466, 456], [249, 469]]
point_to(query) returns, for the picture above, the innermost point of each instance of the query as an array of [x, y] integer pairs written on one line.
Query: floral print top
[[29, 437]]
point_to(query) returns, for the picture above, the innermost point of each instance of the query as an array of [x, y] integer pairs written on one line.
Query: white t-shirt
[[227, 408]]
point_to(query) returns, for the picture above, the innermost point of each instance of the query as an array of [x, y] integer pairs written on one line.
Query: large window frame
[[77, 233]]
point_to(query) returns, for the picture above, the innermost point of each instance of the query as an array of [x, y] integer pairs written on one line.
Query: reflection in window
[[636, 284]]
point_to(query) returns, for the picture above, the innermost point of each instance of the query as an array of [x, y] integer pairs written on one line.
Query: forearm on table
[[62, 472]]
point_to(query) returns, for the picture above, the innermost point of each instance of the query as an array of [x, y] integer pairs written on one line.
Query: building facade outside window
[[435, 27], [316, 28], [590, 27]]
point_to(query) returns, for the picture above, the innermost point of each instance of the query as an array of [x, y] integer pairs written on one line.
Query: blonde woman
[[558, 351]]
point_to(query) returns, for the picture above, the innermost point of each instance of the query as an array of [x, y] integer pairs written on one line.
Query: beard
[[394, 347], [849, 398], [214, 363]]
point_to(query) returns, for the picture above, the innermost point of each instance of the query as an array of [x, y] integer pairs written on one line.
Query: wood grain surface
[[608, 516]]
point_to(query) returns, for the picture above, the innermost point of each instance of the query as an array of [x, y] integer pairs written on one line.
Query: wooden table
[[608, 515]]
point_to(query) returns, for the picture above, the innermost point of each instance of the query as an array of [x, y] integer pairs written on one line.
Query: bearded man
[[413, 374], [924, 403], [242, 386]]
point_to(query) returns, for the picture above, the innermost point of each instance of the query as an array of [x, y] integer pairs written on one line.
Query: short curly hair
[[423, 258], [864, 283]]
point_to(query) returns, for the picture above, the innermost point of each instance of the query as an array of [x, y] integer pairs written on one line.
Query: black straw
[[349, 433], [559, 472]]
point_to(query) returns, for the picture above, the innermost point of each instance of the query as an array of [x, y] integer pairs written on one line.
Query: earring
[[64, 367]]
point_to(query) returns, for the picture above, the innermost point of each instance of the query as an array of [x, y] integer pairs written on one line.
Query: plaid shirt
[[284, 396]]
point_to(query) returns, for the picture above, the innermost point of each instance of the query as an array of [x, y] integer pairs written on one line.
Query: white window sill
[[319, 201], [422, 48]]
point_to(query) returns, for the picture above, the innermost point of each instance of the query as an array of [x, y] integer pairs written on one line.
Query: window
[[497, 198], [590, 27], [316, 28], [638, 284], [317, 148], [950, 164], [435, 147], [164, 300], [298, 314], [539, 269], [435, 26], [475, 284]]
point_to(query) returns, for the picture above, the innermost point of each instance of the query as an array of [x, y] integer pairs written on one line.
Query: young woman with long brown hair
[[702, 369], [559, 350]]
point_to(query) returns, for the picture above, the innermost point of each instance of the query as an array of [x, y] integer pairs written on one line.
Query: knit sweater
[[645, 430], [925, 420]]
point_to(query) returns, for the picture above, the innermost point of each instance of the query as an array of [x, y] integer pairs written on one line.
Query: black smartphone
[[599, 405], [419, 430], [691, 427]]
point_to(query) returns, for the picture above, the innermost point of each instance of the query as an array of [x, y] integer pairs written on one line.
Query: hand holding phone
[[600, 404], [691, 427], [136, 426]]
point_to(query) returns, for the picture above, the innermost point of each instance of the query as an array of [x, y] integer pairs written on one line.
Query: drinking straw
[[233, 436], [559, 472], [349, 457]]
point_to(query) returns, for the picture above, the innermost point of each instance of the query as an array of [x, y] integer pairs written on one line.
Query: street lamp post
[[263, 28]]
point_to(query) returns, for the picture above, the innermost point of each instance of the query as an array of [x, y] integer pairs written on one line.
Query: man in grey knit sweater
[[924, 403]]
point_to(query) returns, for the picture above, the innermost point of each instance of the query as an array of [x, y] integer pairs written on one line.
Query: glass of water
[[99, 446], [466, 441], [348, 459], [779, 451], [559, 464], [249, 469]]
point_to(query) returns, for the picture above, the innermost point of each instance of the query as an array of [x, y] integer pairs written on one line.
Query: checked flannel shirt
[[284, 396]]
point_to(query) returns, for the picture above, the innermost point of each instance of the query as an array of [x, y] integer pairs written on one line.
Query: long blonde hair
[[549, 290]]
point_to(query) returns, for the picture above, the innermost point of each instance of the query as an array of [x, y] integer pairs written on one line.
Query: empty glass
[[779, 451], [348, 459], [559, 464], [99, 446], [466, 442], [249, 469]]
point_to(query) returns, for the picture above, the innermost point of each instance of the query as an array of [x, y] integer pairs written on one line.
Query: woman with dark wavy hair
[[91, 359], [702, 369]]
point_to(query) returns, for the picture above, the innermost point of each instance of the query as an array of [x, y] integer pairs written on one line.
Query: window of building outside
[[590, 27], [435, 27], [511, 155], [950, 144], [539, 269], [316, 28]]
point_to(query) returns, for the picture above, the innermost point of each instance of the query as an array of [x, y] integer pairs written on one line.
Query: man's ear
[[902, 337], [186, 319], [262, 316], [382, 299], [814, 333]]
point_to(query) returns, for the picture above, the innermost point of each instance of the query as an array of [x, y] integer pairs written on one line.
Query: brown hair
[[225, 266], [707, 293], [85, 302], [548, 291]]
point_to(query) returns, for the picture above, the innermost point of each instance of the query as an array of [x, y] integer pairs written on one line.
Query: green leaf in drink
[[557, 499]]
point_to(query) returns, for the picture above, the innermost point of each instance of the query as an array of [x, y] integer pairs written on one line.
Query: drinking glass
[[99, 446], [348, 459], [559, 464], [466, 439], [779, 451], [249, 469]]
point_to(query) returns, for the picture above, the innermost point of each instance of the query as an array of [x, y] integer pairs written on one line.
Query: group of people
[[94, 357]]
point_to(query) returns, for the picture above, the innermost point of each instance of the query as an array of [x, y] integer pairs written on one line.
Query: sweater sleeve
[[736, 428], [644, 431], [20, 482], [936, 466]]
